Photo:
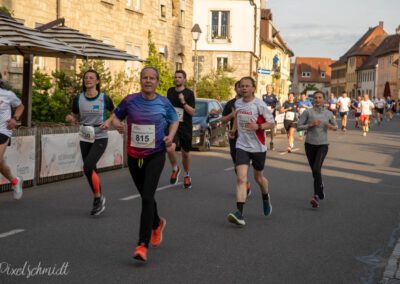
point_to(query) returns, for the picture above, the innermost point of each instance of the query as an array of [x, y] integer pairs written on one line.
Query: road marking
[[158, 189], [10, 233], [293, 150], [229, 169]]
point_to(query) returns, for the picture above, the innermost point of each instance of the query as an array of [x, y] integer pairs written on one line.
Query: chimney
[[398, 30], [381, 24]]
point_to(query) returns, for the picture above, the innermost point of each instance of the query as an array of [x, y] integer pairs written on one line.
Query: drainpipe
[[58, 15], [255, 42]]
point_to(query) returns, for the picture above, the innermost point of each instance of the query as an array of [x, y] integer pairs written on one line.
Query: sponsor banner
[[113, 156], [20, 157]]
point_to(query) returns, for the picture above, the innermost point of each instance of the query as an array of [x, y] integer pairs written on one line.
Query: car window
[[215, 108], [201, 109]]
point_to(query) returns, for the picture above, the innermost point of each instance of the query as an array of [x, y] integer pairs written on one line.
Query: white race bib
[[179, 111], [86, 133], [332, 106], [143, 136], [289, 115], [243, 122], [358, 110], [269, 108]]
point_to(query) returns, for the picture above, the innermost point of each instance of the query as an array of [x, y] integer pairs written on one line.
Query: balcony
[[219, 34]]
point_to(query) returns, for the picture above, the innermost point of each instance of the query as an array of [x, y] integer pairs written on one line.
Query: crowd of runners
[[156, 125]]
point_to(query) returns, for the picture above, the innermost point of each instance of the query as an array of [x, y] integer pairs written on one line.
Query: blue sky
[[320, 28]]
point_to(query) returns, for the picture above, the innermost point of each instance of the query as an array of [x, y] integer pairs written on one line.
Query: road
[[347, 240]]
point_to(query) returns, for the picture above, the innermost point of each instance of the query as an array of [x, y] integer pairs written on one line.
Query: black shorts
[[334, 111], [379, 110], [4, 139], [257, 159], [345, 113], [289, 124], [357, 114], [183, 139]]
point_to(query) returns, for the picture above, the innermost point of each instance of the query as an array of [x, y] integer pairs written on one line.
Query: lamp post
[[196, 32]]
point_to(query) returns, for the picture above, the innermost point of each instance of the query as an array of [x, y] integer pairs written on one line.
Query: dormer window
[[323, 75], [306, 74]]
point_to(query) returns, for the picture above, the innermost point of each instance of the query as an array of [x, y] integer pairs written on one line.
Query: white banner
[[20, 157], [61, 153]]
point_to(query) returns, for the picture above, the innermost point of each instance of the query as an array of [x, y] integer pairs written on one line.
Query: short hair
[[344, 92], [292, 93], [97, 77], [253, 82], [237, 83], [319, 92], [303, 94], [151, 68], [181, 72]]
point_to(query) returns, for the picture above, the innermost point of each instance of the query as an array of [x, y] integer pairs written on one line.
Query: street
[[347, 240]]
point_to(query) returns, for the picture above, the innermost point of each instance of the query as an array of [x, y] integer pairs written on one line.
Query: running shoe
[[175, 176], [314, 201], [17, 188], [248, 190], [236, 218], [187, 182], [365, 133], [267, 206], [271, 146], [98, 206], [321, 195], [157, 234], [140, 252], [289, 149]]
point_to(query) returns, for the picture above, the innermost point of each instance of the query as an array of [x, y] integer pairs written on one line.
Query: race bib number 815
[[143, 136]]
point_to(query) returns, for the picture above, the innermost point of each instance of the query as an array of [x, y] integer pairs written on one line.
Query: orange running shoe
[[157, 234], [140, 252], [187, 182], [175, 176], [315, 202]]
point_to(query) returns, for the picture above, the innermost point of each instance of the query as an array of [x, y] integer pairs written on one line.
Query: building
[[312, 73], [338, 76], [387, 70], [366, 77], [230, 39], [124, 24], [274, 65]]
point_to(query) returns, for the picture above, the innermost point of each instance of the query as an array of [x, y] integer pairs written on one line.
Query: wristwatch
[[259, 127], [16, 118]]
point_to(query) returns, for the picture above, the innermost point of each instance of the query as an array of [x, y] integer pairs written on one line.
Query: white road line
[[10, 233], [293, 150], [229, 169], [158, 189]]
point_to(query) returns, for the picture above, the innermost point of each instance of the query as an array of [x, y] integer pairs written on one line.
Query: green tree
[[41, 111], [6, 11], [156, 60], [215, 85]]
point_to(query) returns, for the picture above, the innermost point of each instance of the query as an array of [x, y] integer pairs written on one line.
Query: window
[[163, 9], [134, 4], [306, 74], [323, 74], [182, 18], [16, 61], [178, 62], [220, 24], [222, 63]]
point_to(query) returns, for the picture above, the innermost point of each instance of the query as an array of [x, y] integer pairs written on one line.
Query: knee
[[88, 169], [147, 200], [240, 179]]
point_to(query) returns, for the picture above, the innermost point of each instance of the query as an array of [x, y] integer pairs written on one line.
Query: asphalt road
[[347, 240]]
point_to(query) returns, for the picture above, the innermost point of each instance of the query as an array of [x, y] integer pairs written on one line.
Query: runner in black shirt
[[183, 101], [272, 103]]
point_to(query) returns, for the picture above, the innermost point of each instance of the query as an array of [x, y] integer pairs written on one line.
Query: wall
[[387, 72]]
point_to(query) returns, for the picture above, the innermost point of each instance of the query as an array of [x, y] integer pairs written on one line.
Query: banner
[[61, 153], [20, 157]]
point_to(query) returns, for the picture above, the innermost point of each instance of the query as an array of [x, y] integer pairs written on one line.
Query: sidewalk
[[392, 270]]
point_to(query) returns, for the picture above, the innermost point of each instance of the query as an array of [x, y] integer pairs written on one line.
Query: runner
[[389, 108], [331, 104], [273, 104], [7, 123], [183, 100], [228, 115], [148, 116], [91, 106], [380, 104], [302, 105], [290, 122], [357, 111], [252, 118], [366, 111], [343, 105], [317, 121]]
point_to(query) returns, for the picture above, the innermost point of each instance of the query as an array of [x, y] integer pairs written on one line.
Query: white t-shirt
[[253, 111], [7, 100], [380, 103], [366, 107], [344, 104]]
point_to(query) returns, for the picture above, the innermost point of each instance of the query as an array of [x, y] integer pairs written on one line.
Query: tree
[[156, 60], [215, 85], [310, 87]]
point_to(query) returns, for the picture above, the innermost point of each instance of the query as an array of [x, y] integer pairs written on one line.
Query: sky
[[321, 28]]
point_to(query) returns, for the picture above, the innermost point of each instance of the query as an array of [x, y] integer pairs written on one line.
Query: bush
[[215, 85]]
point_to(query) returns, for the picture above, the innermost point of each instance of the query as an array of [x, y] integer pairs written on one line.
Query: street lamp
[[196, 32]]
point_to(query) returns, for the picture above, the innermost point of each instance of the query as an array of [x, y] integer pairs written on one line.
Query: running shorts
[[345, 113], [257, 159], [4, 139], [289, 124], [364, 118], [379, 110]]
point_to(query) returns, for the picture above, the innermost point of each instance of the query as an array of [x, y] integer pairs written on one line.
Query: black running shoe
[[98, 206], [236, 218], [271, 146], [321, 195]]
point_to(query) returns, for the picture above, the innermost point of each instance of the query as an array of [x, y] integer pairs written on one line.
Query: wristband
[[16, 118]]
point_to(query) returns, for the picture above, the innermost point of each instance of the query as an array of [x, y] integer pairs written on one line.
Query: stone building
[[122, 23]]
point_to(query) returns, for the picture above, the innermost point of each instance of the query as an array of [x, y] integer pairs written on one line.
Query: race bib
[[243, 122], [289, 115], [86, 133], [179, 111], [332, 106], [358, 110], [143, 136], [269, 108]]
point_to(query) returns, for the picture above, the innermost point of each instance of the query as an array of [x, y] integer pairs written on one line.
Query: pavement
[[49, 237]]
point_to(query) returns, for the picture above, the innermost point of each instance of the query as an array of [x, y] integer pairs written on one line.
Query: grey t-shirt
[[92, 111], [317, 135]]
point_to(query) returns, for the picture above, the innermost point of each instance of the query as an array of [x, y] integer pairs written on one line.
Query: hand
[[105, 125], [314, 123], [252, 126], [11, 123], [330, 127], [120, 128], [168, 141], [232, 134], [181, 98], [171, 148], [70, 118]]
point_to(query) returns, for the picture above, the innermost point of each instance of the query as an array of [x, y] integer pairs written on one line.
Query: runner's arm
[[302, 124], [12, 122]]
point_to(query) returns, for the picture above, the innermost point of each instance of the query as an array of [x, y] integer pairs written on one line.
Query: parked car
[[208, 128]]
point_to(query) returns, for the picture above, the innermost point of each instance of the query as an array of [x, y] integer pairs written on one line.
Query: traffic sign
[[263, 71]]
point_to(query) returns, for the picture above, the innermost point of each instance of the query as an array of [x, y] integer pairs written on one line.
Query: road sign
[[263, 71]]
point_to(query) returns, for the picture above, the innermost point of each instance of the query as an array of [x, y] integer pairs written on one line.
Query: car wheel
[[206, 142], [225, 138]]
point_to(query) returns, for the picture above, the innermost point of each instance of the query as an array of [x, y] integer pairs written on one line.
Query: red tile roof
[[315, 65]]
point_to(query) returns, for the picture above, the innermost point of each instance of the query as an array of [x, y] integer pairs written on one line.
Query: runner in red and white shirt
[[252, 118], [366, 111]]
